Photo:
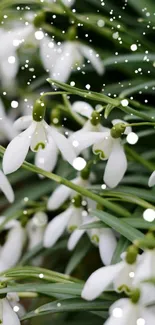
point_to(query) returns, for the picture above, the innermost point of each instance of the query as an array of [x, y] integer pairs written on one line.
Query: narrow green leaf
[[118, 225], [79, 253], [67, 305]]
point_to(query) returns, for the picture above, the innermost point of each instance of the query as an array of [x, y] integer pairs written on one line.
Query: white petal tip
[[152, 180]]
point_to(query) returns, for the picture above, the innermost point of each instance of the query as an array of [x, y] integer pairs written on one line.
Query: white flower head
[[36, 136], [70, 219], [120, 275], [124, 312], [108, 147]]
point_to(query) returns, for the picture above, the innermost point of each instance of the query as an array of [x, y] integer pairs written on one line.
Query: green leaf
[[138, 223], [79, 253], [68, 305], [118, 225], [121, 247]]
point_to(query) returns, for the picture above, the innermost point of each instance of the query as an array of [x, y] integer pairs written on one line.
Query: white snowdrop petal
[[48, 53], [22, 122], [99, 281], [93, 57], [82, 108], [12, 249], [9, 316], [116, 165], [152, 179], [47, 158], [6, 188], [64, 64], [17, 150], [64, 145], [107, 245], [9, 68], [85, 139], [56, 227], [74, 238]]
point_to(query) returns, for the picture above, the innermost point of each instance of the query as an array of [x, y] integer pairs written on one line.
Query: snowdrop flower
[[7, 314], [70, 219], [125, 312], [6, 125], [60, 61], [152, 179], [120, 275], [103, 238], [6, 188], [36, 136], [11, 251], [63, 193], [146, 267], [35, 232], [107, 145], [18, 308], [9, 62]]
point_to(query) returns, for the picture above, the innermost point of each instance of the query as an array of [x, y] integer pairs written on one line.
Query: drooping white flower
[[120, 274], [124, 312], [152, 179], [6, 188], [61, 60], [7, 314], [103, 238], [11, 251], [13, 300], [70, 219], [146, 268], [35, 232], [36, 136], [7, 132], [62, 193], [107, 147], [9, 62]]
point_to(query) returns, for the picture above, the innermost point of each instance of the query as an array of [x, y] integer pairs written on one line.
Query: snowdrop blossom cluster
[[77, 166]]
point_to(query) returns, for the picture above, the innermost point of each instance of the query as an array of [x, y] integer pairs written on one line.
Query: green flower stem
[[132, 111], [83, 191], [141, 123], [79, 119], [140, 159]]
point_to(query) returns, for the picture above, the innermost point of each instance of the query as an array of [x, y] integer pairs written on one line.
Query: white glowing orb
[[117, 312], [79, 163], [149, 215], [11, 59], [124, 102], [14, 104], [132, 138], [16, 309], [39, 35], [140, 321], [133, 47]]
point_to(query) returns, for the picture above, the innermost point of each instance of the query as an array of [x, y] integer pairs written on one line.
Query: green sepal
[[131, 254], [39, 19], [38, 111], [117, 130], [95, 118], [77, 201]]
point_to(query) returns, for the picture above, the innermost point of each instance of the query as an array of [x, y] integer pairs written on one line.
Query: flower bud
[[117, 130], [135, 296], [77, 201], [39, 19], [131, 254], [38, 111], [95, 118], [56, 117]]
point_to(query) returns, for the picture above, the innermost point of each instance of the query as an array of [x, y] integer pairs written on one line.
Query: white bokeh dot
[[149, 215], [132, 138], [79, 163]]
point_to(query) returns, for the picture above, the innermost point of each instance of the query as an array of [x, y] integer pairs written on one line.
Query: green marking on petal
[[72, 228], [100, 153], [40, 144], [95, 239]]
